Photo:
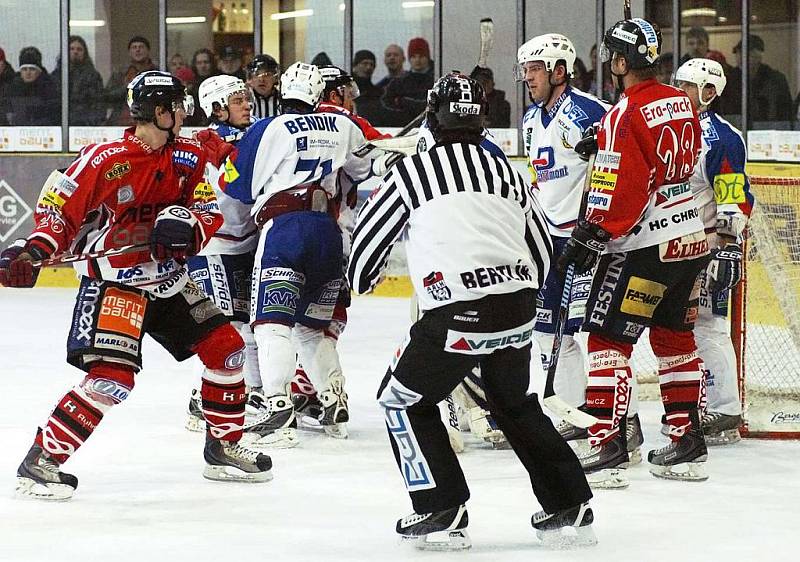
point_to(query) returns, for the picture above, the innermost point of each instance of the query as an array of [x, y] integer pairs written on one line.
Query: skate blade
[[440, 540], [608, 479], [635, 456], [193, 423], [567, 537], [30, 489], [337, 430], [284, 438], [687, 471], [727, 437], [222, 473]]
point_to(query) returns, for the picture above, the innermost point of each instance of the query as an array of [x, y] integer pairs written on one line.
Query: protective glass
[[187, 104], [240, 98], [354, 91], [605, 53]]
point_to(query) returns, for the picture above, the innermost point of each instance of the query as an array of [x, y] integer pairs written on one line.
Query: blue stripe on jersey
[[726, 151]]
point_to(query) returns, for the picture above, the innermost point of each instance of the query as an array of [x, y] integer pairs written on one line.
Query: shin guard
[[608, 391]]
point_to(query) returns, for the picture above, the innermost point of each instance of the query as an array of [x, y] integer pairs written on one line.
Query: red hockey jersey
[[648, 146], [109, 197]]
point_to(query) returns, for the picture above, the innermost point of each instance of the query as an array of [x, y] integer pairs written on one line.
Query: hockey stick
[[551, 400], [67, 259], [626, 9]]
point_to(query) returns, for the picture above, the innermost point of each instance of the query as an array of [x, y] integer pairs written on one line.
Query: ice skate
[[553, 528], [334, 403], [441, 530], [307, 408], [571, 432], [483, 426], [605, 464], [195, 420], [228, 461], [38, 477], [634, 439], [683, 459], [272, 423], [721, 429]]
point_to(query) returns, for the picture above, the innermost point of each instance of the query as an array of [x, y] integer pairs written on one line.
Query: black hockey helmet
[[638, 40], [456, 103], [337, 79], [154, 88], [263, 63]]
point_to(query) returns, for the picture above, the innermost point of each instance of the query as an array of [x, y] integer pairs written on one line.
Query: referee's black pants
[[446, 344]]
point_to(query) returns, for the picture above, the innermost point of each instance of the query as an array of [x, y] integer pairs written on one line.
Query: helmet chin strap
[[620, 85], [553, 87], [168, 130]]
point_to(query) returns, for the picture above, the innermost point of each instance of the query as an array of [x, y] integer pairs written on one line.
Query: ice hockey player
[[642, 218], [146, 188], [722, 191], [478, 250], [287, 168]]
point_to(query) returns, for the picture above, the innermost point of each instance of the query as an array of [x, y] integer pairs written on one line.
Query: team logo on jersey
[[125, 194], [436, 287], [118, 170], [185, 158], [544, 164], [302, 144]]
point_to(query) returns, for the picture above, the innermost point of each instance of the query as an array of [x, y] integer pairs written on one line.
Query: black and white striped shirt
[[265, 107], [471, 224]]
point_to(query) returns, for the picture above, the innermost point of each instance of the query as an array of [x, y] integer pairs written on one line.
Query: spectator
[[393, 58], [368, 104], [262, 78], [498, 110], [321, 59], [406, 97], [185, 75], [31, 99], [6, 70], [117, 88], [697, 47], [665, 67], [203, 66], [86, 107], [769, 96], [581, 79], [230, 62], [175, 63]]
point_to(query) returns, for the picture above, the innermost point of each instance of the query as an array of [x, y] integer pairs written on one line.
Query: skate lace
[[48, 464], [711, 417], [414, 518], [243, 453]]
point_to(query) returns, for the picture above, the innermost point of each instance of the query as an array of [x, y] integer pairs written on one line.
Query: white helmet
[[548, 48], [217, 89], [302, 82], [702, 72]]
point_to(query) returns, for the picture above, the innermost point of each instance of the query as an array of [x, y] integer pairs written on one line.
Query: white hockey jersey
[[289, 150], [550, 138]]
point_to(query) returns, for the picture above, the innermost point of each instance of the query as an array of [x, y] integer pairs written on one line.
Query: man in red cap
[[405, 97]]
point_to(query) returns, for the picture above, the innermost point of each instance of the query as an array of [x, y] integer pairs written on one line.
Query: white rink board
[[141, 495]]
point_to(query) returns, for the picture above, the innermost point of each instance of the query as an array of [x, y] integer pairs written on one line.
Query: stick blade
[[566, 412]]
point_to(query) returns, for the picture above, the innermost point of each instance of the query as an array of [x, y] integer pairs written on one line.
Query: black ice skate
[[270, 422], [308, 409], [334, 403], [228, 461], [634, 438], [38, 477], [683, 459], [721, 429], [553, 528], [441, 530], [195, 421], [571, 432], [605, 464]]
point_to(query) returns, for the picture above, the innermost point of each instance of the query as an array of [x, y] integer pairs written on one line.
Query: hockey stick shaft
[[551, 400], [67, 259], [626, 9]]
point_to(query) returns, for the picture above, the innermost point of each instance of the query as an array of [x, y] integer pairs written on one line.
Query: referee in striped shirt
[[478, 249], [262, 79]]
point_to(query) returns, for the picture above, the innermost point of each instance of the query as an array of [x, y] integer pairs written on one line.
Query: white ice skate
[[270, 422], [195, 420], [335, 414]]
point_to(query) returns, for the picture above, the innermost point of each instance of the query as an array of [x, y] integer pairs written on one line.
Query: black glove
[[588, 144], [725, 269], [16, 269], [175, 235], [587, 242]]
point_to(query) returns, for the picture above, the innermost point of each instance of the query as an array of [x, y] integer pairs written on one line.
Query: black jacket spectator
[[6, 70], [406, 97], [31, 99], [117, 88], [86, 106], [498, 110]]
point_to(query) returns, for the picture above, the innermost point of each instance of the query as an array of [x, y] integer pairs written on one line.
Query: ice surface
[[142, 497]]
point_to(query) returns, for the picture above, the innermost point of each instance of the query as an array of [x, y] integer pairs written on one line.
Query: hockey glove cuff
[[725, 269], [382, 163], [216, 149], [584, 247], [588, 144], [176, 235], [16, 269]]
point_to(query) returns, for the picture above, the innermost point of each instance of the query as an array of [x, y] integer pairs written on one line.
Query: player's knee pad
[[107, 384], [600, 342], [317, 354], [671, 343], [222, 352]]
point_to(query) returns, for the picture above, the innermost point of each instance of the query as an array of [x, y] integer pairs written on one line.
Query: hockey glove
[[216, 149], [588, 144], [725, 269], [16, 269], [385, 161], [175, 235], [584, 247]]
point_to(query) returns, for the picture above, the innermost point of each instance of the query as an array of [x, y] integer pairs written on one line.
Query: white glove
[[382, 163]]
